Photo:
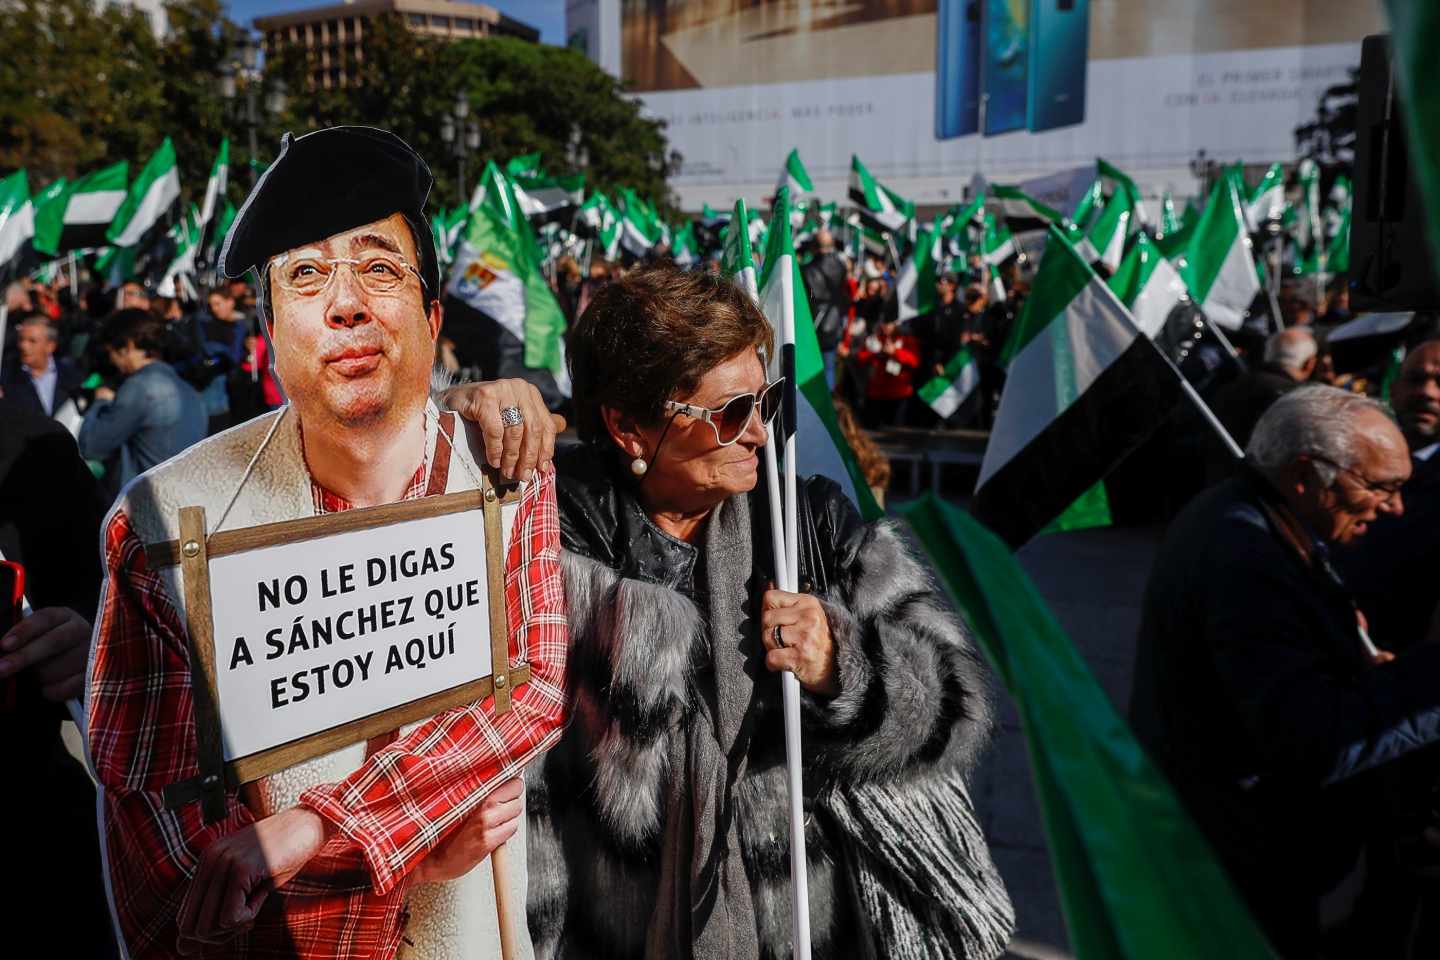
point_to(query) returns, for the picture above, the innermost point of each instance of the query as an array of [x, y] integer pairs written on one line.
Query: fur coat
[[897, 864]]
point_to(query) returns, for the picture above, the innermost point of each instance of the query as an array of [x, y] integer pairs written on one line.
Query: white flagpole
[[789, 686], [783, 541]]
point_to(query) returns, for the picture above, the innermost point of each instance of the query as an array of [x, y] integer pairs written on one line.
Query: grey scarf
[[704, 908]]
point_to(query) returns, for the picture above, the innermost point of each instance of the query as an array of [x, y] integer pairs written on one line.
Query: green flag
[[215, 183], [75, 214], [1118, 218], [177, 276], [1338, 255], [820, 446], [685, 250], [1267, 200], [1137, 880], [150, 196], [1091, 202], [998, 245], [946, 392], [737, 258], [793, 175], [884, 208], [1148, 285], [527, 164], [915, 287], [1083, 388], [17, 220], [1169, 222], [1012, 203], [222, 226], [1217, 265], [639, 224], [1091, 509], [498, 267]]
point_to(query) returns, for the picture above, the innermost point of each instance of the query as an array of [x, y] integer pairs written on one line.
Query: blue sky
[[546, 15]]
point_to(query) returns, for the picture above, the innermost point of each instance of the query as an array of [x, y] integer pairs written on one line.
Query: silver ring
[[778, 637], [511, 416]]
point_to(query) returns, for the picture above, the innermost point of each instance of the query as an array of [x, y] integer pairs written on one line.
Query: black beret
[[324, 183]]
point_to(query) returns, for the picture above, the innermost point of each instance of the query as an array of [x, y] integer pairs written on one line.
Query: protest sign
[[312, 634]]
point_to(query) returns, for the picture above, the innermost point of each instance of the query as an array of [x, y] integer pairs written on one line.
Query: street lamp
[[462, 137], [243, 73]]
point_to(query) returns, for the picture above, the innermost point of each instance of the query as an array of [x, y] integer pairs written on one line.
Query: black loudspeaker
[[1391, 265]]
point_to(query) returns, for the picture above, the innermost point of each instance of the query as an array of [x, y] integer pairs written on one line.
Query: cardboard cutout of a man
[[365, 852]]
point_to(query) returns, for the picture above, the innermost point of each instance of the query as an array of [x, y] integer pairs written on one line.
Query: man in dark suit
[[1392, 570], [37, 379], [1255, 690]]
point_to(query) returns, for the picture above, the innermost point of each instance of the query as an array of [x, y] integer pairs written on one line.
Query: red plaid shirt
[[390, 813]]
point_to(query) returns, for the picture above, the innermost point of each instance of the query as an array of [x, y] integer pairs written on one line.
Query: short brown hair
[[653, 335], [136, 326]]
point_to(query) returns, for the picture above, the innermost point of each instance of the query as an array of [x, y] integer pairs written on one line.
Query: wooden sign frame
[[193, 552]]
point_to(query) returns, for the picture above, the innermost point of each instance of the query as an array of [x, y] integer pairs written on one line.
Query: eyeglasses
[[1387, 491], [378, 272], [729, 422]]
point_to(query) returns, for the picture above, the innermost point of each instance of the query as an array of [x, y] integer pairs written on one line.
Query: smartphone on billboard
[[1004, 64], [957, 69], [12, 603], [1059, 54]]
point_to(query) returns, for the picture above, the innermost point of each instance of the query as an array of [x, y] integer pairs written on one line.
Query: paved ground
[[1093, 581]]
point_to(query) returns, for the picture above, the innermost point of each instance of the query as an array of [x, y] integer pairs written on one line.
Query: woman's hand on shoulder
[[797, 637], [516, 451]]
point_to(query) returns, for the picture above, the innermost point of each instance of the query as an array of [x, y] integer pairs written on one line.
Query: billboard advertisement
[[929, 92]]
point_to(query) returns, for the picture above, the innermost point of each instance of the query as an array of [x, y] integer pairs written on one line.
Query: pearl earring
[[638, 466]]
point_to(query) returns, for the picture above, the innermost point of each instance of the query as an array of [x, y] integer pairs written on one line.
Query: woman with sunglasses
[[658, 825]]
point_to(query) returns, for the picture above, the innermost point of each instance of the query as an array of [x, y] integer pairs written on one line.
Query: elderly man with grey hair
[[1256, 688], [1289, 360]]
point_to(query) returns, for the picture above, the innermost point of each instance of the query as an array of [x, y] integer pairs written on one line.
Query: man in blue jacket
[[152, 416]]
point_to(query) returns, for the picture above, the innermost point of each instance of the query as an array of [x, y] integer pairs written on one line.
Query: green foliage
[[84, 83]]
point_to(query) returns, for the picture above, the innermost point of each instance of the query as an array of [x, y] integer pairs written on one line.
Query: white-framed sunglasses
[[378, 272], [729, 421]]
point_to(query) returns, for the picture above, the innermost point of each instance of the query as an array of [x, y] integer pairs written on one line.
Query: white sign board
[[313, 634]]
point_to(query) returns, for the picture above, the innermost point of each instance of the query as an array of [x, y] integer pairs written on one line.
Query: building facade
[[333, 36]]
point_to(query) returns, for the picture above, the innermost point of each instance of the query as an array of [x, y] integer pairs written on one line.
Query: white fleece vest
[[448, 921]]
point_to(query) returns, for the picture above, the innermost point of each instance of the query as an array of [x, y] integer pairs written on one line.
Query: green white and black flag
[[548, 198], [948, 391], [880, 206], [214, 201], [498, 303], [149, 197], [75, 215], [820, 446], [1083, 388], [17, 222], [177, 278], [915, 287]]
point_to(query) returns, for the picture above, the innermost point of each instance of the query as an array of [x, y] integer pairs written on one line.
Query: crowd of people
[[136, 377], [1280, 680], [657, 821]]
